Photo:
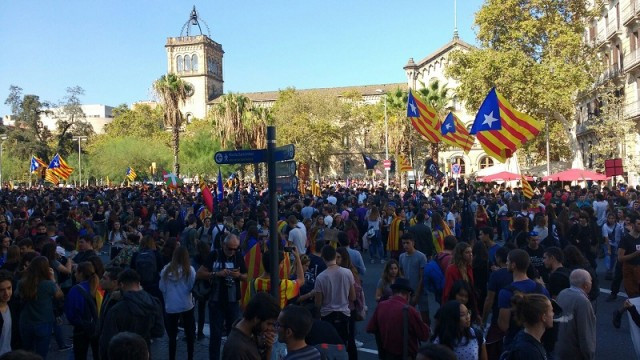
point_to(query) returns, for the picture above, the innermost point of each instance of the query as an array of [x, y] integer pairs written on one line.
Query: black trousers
[[341, 323], [617, 278], [189, 323], [81, 344]]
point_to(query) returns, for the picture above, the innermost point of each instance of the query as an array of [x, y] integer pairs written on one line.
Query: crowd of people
[[513, 277]]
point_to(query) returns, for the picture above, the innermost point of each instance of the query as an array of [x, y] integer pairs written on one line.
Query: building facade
[[95, 114], [616, 36]]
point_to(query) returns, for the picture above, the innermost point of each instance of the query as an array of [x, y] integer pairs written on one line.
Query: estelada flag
[[60, 168], [207, 197], [501, 129], [404, 163], [455, 134], [527, 191], [51, 177], [253, 259], [423, 118]]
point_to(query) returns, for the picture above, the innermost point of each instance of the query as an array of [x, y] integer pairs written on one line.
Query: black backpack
[[147, 266]]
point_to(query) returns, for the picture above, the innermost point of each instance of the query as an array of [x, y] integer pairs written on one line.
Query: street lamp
[[386, 134], [80, 138], [3, 137]]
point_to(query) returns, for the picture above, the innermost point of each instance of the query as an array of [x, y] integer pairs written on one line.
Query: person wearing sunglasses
[[225, 268]]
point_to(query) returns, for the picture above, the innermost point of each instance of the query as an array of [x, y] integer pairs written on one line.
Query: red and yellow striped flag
[[60, 167], [51, 177], [315, 189], [527, 191], [501, 129], [423, 118], [455, 134], [404, 164], [253, 259]]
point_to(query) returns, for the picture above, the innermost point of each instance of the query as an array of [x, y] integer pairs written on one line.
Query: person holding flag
[[131, 174]]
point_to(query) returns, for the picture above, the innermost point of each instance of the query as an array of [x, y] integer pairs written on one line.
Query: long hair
[[458, 255], [346, 262], [37, 271], [13, 254], [386, 278], [374, 214], [88, 272], [448, 329], [179, 262]]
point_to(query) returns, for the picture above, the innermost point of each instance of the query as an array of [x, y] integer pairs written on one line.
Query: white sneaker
[[359, 343]]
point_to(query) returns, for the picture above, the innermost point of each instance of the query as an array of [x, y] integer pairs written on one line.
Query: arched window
[[460, 161], [194, 62], [187, 63], [180, 65], [347, 167], [485, 162]]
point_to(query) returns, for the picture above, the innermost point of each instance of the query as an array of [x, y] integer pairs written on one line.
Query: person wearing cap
[[387, 323]]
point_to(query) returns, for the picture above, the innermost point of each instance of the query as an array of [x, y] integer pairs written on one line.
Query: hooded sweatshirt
[[176, 290], [137, 312]]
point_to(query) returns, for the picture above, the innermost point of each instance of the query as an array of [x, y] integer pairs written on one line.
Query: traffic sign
[[286, 168], [455, 169], [287, 184], [241, 156], [387, 164], [286, 152]]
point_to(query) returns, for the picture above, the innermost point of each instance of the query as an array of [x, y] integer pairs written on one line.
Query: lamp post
[[80, 138], [3, 137], [386, 134]]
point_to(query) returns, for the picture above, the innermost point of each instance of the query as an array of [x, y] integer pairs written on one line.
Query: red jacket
[[451, 276], [387, 322]]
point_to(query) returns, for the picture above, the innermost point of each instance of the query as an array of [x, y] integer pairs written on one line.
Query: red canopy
[[504, 176], [575, 175]]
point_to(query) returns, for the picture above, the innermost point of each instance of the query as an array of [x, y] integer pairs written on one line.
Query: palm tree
[[228, 118], [172, 92], [439, 96]]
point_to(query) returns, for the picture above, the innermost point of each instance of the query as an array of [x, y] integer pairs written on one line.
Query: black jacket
[[137, 312], [526, 347]]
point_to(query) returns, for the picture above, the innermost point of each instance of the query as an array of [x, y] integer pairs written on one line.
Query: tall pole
[[455, 19], [546, 125], [79, 162], [386, 138], [273, 212], [3, 138]]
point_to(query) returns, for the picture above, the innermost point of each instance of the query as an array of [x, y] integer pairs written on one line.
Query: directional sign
[[241, 156], [286, 152], [287, 184], [286, 168]]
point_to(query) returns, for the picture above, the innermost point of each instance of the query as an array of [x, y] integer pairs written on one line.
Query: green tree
[[533, 53], [70, 120], [110, 156], [310, 121], [172, 92], [197, 148], [29, 136], [142, 122], [229, 118]]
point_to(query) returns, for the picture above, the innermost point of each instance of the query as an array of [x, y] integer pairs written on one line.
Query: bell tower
[[197, 60]]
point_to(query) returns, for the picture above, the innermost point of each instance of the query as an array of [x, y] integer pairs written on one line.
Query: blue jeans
[[219, 314], [375, 246], [36, 337], [610, 260], [504, 225]]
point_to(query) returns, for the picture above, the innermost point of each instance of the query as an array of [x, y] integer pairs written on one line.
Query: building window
[[180, 66], [187, 63], [347, 167], [345, 141], [459, 161], [194, 62], [485, 162]]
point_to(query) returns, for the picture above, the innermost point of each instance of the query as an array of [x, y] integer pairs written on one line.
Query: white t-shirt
[[600, 208], [451, 217], [298, 239]]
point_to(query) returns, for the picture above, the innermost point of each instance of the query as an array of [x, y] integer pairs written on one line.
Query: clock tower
[[197, 60]]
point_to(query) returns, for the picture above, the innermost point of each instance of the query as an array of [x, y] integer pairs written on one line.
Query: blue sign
[[241, 156], [286, 152], [286, 168], [287, 184]]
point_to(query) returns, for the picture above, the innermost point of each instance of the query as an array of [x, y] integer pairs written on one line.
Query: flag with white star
[[423, 118], [60, 168], [455, 133], [501, 129]]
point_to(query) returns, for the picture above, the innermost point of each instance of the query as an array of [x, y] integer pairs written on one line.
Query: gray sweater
[[577, 330]]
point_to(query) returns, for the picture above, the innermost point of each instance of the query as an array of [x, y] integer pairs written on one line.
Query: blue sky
[[115, 49]]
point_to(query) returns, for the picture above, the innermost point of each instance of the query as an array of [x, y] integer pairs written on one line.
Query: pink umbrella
[[575, 175], [504, 176]]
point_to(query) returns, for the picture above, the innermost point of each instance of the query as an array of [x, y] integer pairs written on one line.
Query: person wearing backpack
[[188, 236], [517, 262], [435, 269], [81, 310], [148, 263], [203, 234], [218, 232]]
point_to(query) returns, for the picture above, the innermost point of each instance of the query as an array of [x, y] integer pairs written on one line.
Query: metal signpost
[[281, 171], [455, 169]]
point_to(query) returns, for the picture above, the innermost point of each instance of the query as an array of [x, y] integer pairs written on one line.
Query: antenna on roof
[[455, 20]]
